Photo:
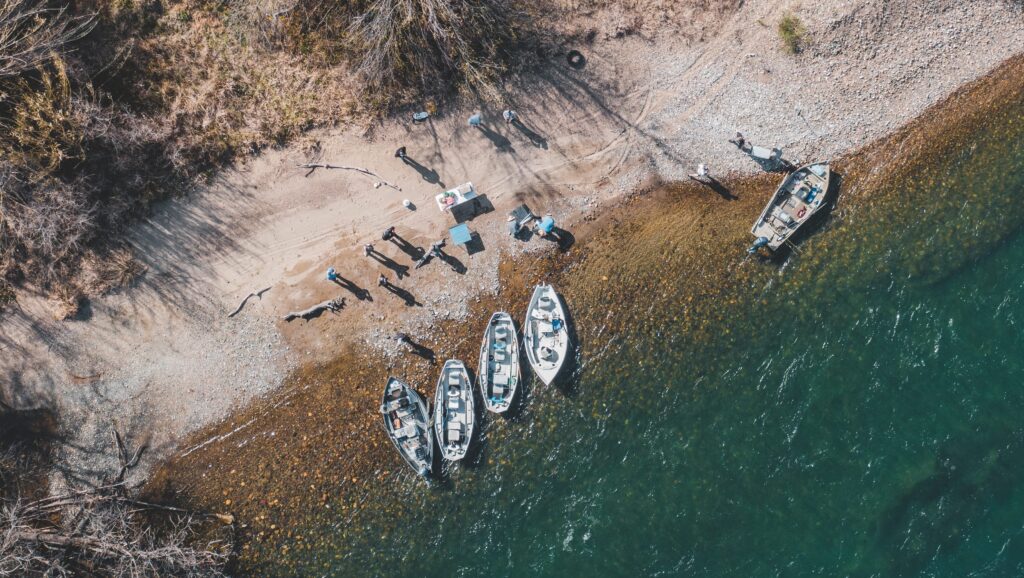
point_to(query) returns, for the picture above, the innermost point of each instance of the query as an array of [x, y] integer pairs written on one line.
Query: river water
[[851, 409], [857, 413]]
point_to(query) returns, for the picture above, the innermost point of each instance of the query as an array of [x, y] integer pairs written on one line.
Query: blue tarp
[[460, 234], [547, 224]]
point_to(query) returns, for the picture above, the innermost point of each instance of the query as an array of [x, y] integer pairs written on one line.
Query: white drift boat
[[799, 197], [453, 410], [499, 363], [407, 422], [545, 335]]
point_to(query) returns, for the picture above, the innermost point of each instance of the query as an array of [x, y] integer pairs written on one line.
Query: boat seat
[[454, 435], [538, 314], [545, 303], [498, 390], [453, 403], [407, 431], [500, 356], [545, 328], [453, 379], [499, 379]]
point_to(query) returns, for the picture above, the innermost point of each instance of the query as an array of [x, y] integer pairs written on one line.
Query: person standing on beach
[[389, 233], [332, 275], [400, 153], [701, 174], [476, 120], [510, 116], [368, 249], [739, 141], [382, 281]]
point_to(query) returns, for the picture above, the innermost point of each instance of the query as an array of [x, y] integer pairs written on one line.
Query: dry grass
[[95, 131], [65, 302], [114, 269], [125, 103]]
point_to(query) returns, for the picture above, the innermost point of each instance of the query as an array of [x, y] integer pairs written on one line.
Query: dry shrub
[[106, 532], [65, 302], [44, 225], [160, 94], [44, 128], [30, 31], [7, 295], [415, 48], [113, 269]]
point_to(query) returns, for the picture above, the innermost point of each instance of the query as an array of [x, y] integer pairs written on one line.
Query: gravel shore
[[162, 360]]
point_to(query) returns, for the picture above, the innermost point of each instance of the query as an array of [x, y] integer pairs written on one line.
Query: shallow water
[[854, 410], [850, 410]]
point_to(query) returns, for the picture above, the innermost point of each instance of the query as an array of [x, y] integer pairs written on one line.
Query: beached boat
[[545, 335], [407, 422], [799, 197], [453, 410], [499, 363]]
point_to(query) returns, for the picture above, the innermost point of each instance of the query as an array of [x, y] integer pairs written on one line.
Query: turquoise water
[[883, 438], [860, 417], [887, 442]]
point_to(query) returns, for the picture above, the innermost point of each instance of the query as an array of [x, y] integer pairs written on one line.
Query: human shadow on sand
[[399, 269], [452, 262], [500, 141], [537, 140], [716, 186], [429, 175], [417, 349], [406, 247], [560, 236], [360, 293], [404, 295]]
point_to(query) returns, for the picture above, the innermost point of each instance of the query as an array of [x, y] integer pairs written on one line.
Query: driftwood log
[[330, 305], [367, 172], [258, 294]]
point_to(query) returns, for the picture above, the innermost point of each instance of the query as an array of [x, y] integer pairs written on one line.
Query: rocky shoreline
[[314, 449]]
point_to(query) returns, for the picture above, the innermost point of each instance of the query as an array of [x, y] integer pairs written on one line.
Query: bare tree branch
[[330, 305], [312, 166], [257, 294], [30, 32]]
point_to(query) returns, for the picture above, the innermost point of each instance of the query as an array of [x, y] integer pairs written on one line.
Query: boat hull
[[498, 375], [546, 334], [799, 197], [407, 423], [454, 412]]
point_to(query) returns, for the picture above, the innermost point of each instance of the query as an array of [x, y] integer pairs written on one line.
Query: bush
[[404, 49], [101, 114], [792, 32]]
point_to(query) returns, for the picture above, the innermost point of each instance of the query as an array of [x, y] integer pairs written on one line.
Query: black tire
[[576, 59]]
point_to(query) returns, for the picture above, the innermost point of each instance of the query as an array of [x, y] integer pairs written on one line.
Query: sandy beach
[[162, 360]]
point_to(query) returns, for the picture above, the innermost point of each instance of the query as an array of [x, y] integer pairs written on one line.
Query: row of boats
[[411, 425], [413, 428]]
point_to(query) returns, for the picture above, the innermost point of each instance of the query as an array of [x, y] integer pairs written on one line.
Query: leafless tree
[[434, 44], [106, 531], [30, 31]]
